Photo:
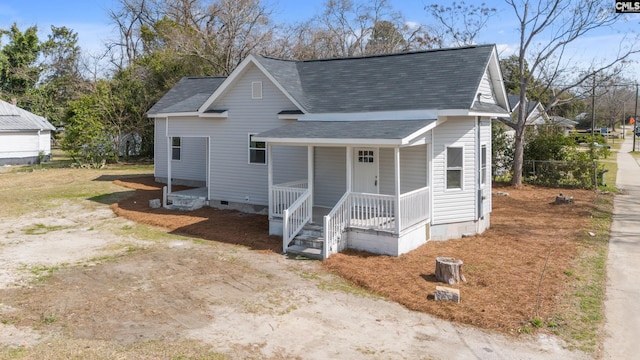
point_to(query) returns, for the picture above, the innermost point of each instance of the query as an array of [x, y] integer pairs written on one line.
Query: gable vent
[[256, 90]]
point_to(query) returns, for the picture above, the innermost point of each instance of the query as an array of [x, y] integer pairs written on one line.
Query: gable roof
[[15, 118], [187, 95], [432, 79]]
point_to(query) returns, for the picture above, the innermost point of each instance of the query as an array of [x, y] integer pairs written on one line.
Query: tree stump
[[449, 270]]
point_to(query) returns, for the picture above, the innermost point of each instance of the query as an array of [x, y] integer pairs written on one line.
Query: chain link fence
[[553, 173]]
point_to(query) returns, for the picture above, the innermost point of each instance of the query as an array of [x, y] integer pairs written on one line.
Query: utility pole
[[624, 118], [635, 122]]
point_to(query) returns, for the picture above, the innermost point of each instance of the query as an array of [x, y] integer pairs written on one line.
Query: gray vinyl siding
[[387, 169], [330, 175], [486, 89], [193, 160], [289, 163], [193, 153], [232, 177], [160, 149], [413, 168], [450, 206]]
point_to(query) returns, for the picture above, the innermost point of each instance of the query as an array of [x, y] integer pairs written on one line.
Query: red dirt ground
[[503, 266]]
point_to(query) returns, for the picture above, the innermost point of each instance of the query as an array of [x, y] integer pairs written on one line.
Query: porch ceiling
[[387, 132]]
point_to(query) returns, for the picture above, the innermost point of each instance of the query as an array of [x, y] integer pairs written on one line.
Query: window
[[257, 151], [454, 167], [175, 148], [256, 90], [365, 156], [483, 165]]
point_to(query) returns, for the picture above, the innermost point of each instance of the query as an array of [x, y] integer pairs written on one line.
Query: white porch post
[[310, 184], [349, 168], [396, 168], [270, 178]]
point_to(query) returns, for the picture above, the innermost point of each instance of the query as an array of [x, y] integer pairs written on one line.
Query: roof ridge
[[381, 55]]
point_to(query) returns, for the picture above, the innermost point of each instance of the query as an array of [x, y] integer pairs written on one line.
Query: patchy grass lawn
[[536, 269]]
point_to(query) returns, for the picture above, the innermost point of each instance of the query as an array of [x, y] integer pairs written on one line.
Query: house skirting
[[380, 242], [28, 160], [377, 242], [242, 207], [460, 229]]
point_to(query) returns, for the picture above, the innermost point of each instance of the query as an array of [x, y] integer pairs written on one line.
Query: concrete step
[[310, 241], [310, 253], [184, 203], [313, 227]]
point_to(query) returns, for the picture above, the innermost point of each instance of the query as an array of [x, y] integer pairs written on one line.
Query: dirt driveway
[[78, 282]]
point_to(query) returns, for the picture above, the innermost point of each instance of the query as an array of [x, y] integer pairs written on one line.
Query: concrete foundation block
[[447, 294]]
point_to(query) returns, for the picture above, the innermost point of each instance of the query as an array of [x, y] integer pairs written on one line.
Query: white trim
[[446, 167], [249, 148], [330, 141], [289, 116], [483, 179], [174, 146], [373, 115], [256, 90], [224, 114], [406, 141], [235, 74], [469, 112]]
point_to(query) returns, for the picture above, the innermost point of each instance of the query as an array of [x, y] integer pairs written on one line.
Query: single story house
[[536, 115], [376, 153], [25, 138]]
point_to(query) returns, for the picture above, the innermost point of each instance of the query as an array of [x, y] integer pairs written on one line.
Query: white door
[[365, 170]]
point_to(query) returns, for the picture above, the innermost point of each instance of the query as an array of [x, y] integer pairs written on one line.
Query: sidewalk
[[622, 303]]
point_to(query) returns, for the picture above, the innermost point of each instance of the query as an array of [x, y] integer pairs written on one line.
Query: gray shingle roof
[[433, 79], [187, 95], [376, 129], [15, 118]]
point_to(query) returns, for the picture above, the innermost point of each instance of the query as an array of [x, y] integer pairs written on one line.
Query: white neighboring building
[[25, 138]]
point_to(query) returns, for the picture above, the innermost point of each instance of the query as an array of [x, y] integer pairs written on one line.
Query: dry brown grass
[[503, 266]]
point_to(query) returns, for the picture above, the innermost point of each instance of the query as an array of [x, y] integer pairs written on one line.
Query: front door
[[365, 170]]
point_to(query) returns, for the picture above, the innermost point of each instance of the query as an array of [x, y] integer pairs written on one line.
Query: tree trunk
[[518, 158], [449, 270]]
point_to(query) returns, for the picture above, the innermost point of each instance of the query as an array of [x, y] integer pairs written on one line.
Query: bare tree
[[546, 28], [461, 23]]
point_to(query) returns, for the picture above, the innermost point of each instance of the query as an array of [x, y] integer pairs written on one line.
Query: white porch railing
[[284, 195], [335, 224], [415, 206], [295, 217], [372, 211]]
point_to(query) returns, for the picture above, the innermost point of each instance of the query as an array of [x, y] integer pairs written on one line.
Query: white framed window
[[454, 167], [483, 164], [176, 148], [256, 90], [257, 151]]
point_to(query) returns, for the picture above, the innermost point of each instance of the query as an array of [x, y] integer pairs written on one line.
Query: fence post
[[595, 175]]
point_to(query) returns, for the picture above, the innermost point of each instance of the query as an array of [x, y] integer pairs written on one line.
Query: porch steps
[[184, 203], [309, 242]]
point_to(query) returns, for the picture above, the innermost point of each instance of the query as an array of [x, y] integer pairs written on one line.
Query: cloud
[[505, 50]]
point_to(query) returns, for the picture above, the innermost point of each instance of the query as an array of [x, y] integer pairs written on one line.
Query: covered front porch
[[371, 195]]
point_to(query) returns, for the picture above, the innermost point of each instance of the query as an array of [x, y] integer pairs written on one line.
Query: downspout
[[169, 156]]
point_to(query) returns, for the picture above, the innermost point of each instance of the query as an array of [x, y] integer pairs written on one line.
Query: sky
[[89, 18]]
